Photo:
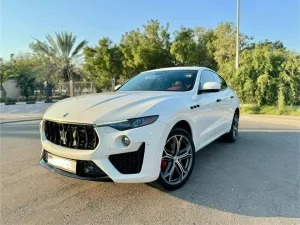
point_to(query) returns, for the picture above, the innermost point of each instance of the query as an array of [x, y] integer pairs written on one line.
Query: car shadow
[[258, 175]]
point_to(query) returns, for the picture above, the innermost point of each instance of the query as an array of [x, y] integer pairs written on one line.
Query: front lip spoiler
[[67, 174]]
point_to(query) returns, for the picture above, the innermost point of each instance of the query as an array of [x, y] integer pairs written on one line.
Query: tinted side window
[[206, 76], [221, 81]]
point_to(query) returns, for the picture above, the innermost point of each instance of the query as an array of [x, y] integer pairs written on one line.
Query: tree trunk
[[48, 90], [71, 83], [71, 89], [113, 84]]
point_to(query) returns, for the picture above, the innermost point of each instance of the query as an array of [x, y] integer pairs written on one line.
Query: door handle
[[231, 96], [218, 100]]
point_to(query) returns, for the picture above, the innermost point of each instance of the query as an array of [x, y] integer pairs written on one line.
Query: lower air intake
[[88, 169], [129, 163], [84, 168]]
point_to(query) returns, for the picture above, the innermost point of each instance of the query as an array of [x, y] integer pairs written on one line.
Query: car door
[[222, 105], [205, 115]]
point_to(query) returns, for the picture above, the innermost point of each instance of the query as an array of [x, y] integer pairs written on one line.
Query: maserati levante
[[147, 130]]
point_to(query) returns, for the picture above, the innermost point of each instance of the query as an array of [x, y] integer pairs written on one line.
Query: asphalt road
[[253, 181]]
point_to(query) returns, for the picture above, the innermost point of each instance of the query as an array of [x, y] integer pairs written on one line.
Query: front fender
[[171, 111]]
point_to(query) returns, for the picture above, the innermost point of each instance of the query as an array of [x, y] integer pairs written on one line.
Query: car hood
[[105, 107]]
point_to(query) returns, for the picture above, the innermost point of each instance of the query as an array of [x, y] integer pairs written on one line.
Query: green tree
[[268, 75], [289, 77], [3, 76], [103, 62], [21, 69], [190, 47], [146, 50], [224, 43], [184, 47], [281, 99], [205, 38], [63, 56]]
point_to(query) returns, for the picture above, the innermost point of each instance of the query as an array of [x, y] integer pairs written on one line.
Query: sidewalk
[[9, 118], [15, 113]]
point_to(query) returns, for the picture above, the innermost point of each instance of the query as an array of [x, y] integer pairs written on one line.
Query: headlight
[[132, 123]]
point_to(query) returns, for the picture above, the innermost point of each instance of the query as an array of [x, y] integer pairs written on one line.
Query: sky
[[23, 20]]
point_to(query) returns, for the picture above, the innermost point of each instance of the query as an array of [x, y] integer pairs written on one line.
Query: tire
[[233, 133], [177, 163]]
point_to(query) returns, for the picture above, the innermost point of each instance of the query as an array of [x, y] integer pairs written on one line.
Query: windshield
[[166, 80]]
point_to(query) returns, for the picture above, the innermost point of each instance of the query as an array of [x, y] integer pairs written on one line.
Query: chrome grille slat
[[55, 133], [94, 146], [86, 138], [71, 135], [70, 132], [77, 138]]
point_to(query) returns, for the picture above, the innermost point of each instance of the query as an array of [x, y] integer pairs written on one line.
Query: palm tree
[[62, 56]]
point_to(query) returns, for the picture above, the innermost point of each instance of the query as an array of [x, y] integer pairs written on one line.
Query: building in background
[[11, 88]]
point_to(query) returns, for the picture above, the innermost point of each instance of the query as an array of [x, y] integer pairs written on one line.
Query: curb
[[29, 102]]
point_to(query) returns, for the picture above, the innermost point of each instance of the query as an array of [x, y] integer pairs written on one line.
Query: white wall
[[12, 91]]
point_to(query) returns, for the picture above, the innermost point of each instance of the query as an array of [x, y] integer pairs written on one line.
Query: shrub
[[8, 100]]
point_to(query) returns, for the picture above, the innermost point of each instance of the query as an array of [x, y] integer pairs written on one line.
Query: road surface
[[253, 181]]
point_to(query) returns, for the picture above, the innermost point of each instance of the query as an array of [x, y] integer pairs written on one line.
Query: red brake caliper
[[164, 164]]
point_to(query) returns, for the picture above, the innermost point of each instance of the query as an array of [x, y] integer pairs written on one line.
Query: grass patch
[[270, 110]]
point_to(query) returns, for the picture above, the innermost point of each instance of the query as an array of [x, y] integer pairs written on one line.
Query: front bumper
[[67, 174], [153, 138]]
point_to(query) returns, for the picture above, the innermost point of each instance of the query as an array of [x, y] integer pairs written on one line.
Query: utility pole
[[237, 34]]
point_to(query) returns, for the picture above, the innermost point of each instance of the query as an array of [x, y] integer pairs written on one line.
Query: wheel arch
[[237, 110], [185, 125]]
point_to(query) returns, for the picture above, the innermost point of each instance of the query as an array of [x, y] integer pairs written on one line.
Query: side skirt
[[212, 139]]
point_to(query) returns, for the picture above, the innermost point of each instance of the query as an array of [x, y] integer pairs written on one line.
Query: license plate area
[[68, 165]]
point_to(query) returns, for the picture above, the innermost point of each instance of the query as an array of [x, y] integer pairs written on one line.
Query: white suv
[[148, 130]]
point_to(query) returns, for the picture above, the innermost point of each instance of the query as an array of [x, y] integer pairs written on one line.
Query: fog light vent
[[129, 163], [88, 169]]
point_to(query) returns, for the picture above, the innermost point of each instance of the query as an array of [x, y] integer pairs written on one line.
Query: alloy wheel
[[235, 126], [177, 159]]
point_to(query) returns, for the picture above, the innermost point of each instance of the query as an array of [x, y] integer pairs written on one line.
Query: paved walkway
[[10, 113]]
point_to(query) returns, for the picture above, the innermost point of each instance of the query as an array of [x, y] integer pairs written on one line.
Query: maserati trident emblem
[[63, 136], [75, 137], [65, 114]]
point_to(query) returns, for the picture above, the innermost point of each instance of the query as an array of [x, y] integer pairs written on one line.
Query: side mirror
[[117, 87], [210, 87]]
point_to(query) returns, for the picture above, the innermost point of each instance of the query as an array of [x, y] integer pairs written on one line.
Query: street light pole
[[237, 34]]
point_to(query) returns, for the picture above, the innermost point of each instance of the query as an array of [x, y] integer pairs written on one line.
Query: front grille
[[71, 136], [129, 163]]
